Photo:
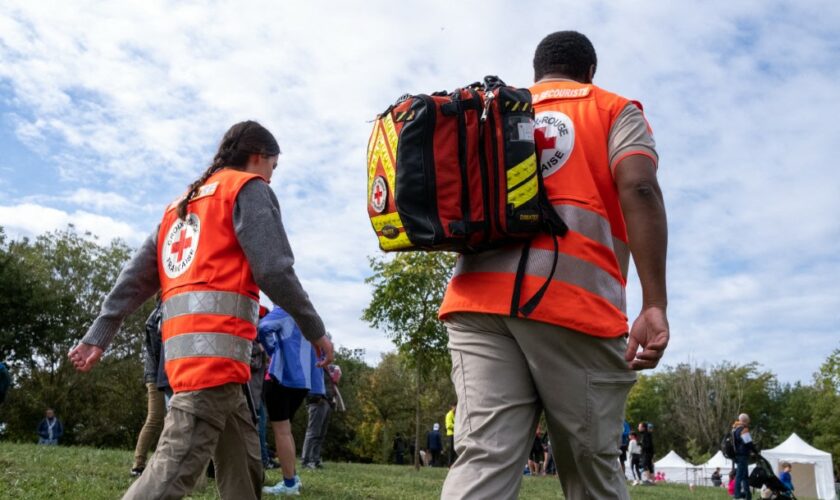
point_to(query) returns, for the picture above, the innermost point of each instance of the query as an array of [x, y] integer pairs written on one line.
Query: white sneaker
[[281, 488]]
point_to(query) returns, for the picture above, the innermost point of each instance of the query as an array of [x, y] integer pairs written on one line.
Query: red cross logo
[[544, 142], [377, 194], [182, 244]]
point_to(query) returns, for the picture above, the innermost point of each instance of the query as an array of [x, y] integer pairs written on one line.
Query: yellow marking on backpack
[[518, 174], [393, 220]]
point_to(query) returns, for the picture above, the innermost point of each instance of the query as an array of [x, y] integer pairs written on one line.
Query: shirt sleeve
[[259, 229], [630, 135], [137, 282]]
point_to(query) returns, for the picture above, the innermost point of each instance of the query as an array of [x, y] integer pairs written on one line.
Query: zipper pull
[[488, 101]]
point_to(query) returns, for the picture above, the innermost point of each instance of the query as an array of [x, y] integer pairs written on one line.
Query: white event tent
[[677, 470], [810, 468], [716, 462]]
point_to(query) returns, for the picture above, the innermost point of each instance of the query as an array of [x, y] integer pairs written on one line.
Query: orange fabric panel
[[208, 323], [192, 374]]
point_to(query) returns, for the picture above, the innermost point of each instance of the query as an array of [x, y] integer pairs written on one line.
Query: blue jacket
[[44, 429], [292, 356]]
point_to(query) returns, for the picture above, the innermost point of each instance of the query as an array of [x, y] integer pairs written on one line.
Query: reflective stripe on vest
[[596, 228], [570, 269], [223, 303], [208, 345]]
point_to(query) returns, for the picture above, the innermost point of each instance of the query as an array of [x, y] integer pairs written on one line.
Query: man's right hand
[[652, 333], [85, 356]]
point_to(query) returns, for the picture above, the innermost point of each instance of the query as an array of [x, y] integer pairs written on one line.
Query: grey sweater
[[259, 230]]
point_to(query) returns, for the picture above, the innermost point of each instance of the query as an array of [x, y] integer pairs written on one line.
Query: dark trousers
[[742, 474], [316, 431], [450, 442], [261, 427], [636, 466]]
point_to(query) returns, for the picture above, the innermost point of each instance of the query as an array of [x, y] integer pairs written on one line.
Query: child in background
[[731, 487], [785, 476]]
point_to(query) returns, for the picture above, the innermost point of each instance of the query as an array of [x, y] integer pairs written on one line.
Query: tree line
[[51, 288]]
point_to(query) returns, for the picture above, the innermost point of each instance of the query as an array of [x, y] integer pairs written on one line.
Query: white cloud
[[30, 219], [129, 100]]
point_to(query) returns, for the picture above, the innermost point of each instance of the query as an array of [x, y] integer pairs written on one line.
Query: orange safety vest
[[587, 290], [210, 302]]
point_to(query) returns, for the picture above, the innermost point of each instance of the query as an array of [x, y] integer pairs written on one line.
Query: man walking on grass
[[569, 354]]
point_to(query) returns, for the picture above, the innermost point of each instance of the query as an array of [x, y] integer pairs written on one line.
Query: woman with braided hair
[[214, 250]]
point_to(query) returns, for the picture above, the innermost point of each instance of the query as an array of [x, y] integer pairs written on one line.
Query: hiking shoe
[[137, 471], [309, 466], [281, 488]]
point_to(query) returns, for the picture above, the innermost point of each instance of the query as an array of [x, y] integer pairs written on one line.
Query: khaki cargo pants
[[505, 371], [215, 423]]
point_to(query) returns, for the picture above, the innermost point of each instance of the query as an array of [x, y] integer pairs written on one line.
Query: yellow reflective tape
[[398, 243], [523, 193], [380, 221], [393, 220], [522, 171], [391, 133], [515, 106], [379, 154]]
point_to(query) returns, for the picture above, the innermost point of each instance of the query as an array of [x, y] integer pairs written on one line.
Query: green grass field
[[41, 472]]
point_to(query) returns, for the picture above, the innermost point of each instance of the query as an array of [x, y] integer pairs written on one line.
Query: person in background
[[434, 443], [625, 442], [730, 486], [550, 467], [255, 385], [449, 421], [320, 402], [293, 372], [399, 449], [635, 451], [785, 476], [215, 249], [155, 399], [648, 450], [537, 455], [5, 381], [50, 429], [717, 480], [744, 447]]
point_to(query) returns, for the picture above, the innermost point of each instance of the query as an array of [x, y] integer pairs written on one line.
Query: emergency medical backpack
[[457, 171]]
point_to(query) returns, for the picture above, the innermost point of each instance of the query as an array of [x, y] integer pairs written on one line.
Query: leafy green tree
[[62, 278], [386, 405], [825, 424], [407, 292]]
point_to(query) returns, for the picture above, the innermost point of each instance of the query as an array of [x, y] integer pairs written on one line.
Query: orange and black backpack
[[457, 171]]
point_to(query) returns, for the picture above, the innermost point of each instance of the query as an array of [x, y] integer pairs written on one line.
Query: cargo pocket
[[606, 395]]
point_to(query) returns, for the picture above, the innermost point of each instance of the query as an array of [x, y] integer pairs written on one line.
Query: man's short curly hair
[[566, 52]]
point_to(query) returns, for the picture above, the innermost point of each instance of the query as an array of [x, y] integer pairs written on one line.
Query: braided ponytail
[[238, 144]]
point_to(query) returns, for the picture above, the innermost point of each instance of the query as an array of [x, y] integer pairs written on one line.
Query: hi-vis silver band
[[208, 344], [596, 228], [222, 303], [570, 270]]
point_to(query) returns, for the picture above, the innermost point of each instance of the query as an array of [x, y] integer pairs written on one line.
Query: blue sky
[[108, 111]]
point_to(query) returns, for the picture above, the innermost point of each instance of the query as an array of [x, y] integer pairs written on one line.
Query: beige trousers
[[151, 428], [505, 372], [215, 423]]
